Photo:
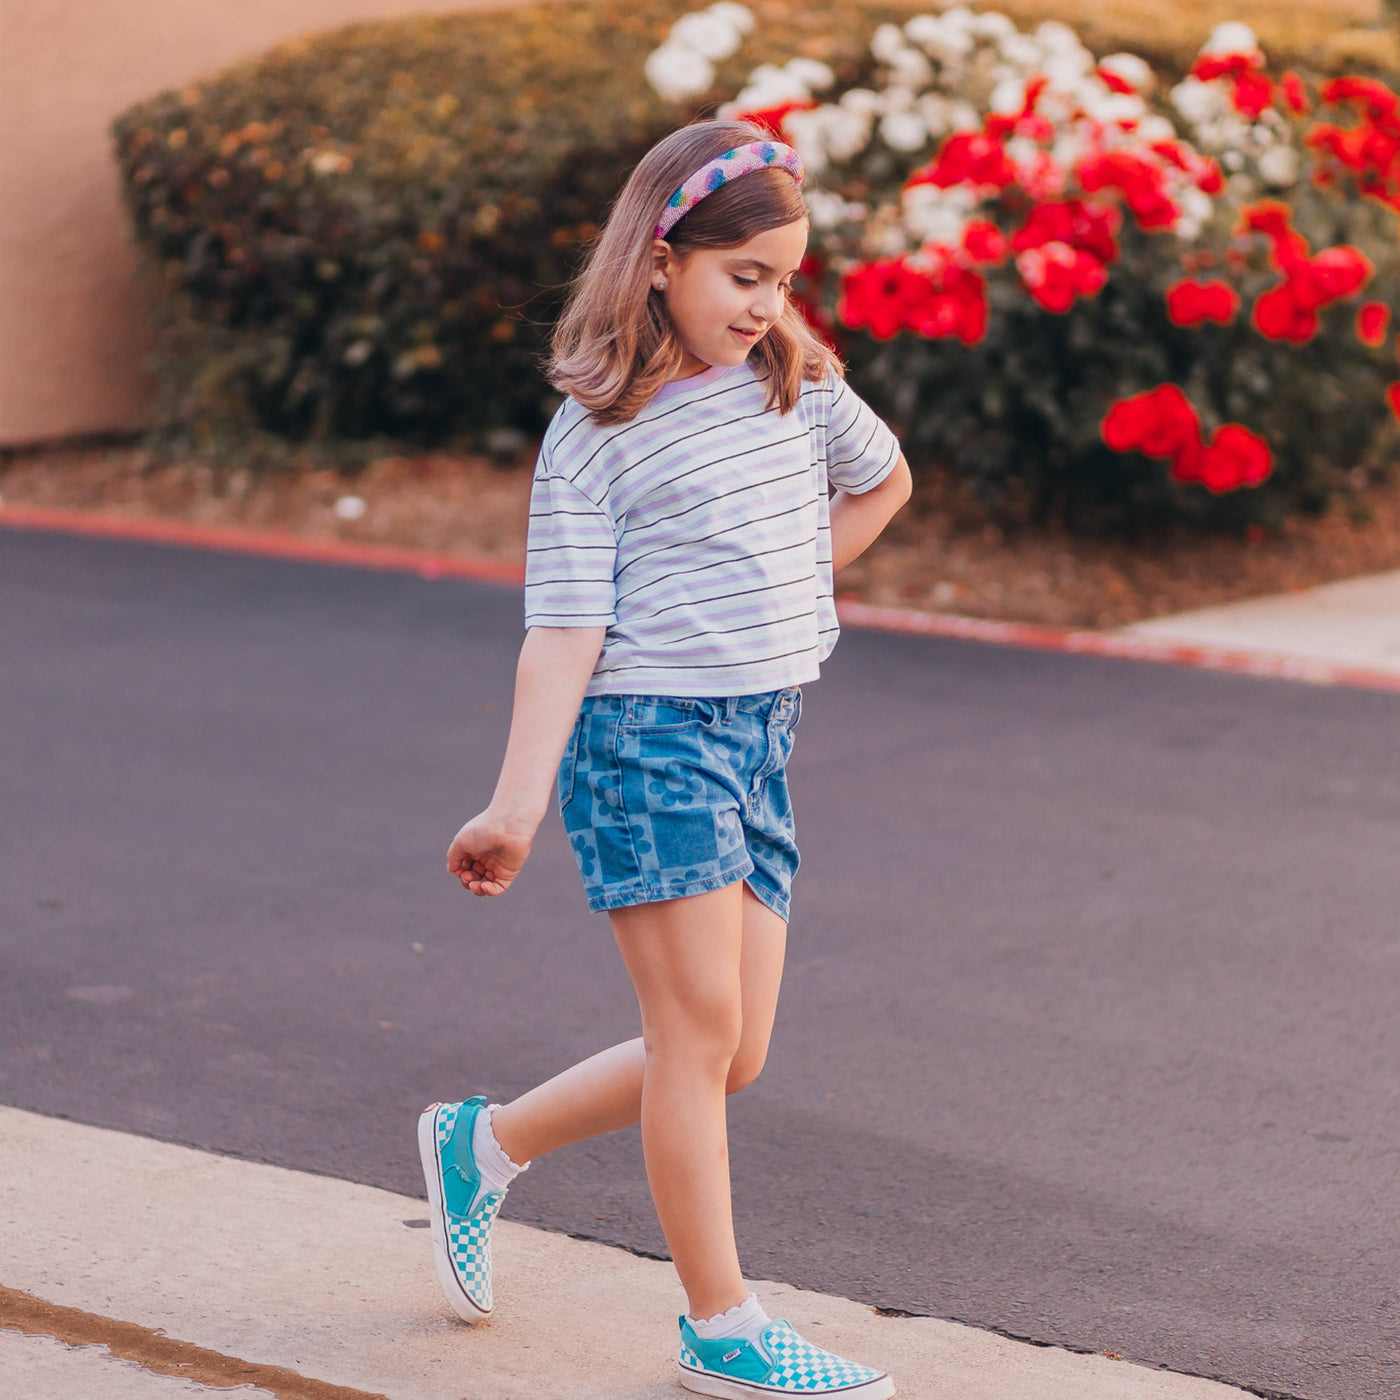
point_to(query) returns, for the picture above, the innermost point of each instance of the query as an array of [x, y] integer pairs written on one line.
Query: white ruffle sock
[[497, 1170], [746, 1320]]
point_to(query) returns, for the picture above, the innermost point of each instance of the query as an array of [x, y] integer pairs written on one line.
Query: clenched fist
[[486, 855]]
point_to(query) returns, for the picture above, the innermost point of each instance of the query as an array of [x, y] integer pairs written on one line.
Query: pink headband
[[756, 155]]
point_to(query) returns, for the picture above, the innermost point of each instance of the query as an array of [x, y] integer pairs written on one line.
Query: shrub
[[368, 231], [1038, 268]]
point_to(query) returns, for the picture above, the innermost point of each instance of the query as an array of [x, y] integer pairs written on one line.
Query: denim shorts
[[665, 796]]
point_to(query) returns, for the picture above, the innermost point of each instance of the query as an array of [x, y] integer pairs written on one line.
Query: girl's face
[[723, 301]]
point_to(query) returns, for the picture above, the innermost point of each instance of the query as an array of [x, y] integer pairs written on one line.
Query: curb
[[907, 621]]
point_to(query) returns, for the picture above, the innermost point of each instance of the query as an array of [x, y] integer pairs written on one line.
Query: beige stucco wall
[[72, 329]]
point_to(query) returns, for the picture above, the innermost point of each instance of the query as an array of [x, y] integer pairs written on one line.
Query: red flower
[[873, 296], [1088, 227], [1189, 303], [1204, 172], [970, 157], [771, 118], [1113, 82], [1140, 182], [889, 295], [1378, 100], [983, 241], [1392, 398], [1055, 274], [1226, 65], [1251, 94], [1277, 315], [1274, 220], [1234, 457], [1158, 422], [1330, 275], [1372, 319], [1295, 95]]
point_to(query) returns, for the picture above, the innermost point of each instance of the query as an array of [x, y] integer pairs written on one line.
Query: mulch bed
[[942, 554]]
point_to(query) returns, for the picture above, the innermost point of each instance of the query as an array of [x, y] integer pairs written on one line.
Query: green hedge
[[366, 232]]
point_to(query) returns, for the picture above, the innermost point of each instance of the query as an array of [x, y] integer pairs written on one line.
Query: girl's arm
[[553, 671], [856, 521]]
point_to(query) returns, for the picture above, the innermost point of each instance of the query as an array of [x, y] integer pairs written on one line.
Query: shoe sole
[[461, 1301], [707, 1383]]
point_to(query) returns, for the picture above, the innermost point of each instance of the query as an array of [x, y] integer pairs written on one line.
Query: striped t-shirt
[[697, 532]]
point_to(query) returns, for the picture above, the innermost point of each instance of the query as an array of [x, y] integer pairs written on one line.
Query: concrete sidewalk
[[1352, 623], [308, 1288]]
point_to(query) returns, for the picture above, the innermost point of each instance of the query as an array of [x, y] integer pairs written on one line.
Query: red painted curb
[[353, 554], [1115, 644], [272, 543]]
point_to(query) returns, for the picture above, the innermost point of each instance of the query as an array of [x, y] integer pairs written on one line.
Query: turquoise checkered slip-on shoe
[[461, 1210], [781, 1362]]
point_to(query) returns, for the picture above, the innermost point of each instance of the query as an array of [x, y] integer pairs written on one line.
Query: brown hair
[[614, 345]]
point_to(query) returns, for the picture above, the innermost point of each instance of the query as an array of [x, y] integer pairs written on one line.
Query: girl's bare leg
[[684, 959], [604, 1092]]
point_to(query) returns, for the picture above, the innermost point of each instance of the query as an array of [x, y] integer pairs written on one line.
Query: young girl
[[678, 593]]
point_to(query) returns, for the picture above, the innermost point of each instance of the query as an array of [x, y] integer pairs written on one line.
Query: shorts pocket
[[665, 714], [568, 766]]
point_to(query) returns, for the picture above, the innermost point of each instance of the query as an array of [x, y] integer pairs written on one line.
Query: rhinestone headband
[[756, 155]]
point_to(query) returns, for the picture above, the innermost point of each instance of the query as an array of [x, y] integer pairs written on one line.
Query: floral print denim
[[665, 796]]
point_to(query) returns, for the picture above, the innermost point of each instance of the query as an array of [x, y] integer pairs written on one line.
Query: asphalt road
[[1089, 1028]]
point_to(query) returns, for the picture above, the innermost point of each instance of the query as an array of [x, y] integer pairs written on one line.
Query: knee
[[709, 1042], [745, 1067]]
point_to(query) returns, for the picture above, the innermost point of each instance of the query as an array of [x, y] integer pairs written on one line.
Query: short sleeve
[[570, 557], [861, 451]]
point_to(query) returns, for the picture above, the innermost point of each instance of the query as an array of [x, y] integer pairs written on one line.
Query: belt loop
[[731, 704]]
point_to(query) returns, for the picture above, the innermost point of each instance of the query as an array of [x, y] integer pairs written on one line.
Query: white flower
[[963, 116], [933, 108], [740, 16], [1197, 101], [1067, 68], [1020, 49], [903, 131], [946, 42], [1068, 150], [806, 134], [1197, 207], [810, 72], [910, 68], [886, 42], [1263, 135], [828, 133], [1009, 95], [847, 130], [1130, 68], [1231, 37], [1155, 128], [350, 507], [1279, 165], [927, 215], [1111, 107], [1054, 37], [769, 86], [862, 100], [1022, 152], [829, 210], [676, 71], [989, 24], [707, 33], [923, 29], [1232, 160]]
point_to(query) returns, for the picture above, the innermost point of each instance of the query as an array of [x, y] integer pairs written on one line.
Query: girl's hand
[[486, 855]]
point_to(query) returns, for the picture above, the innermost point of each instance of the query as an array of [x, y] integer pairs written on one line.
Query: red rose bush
[[1121, 303]]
